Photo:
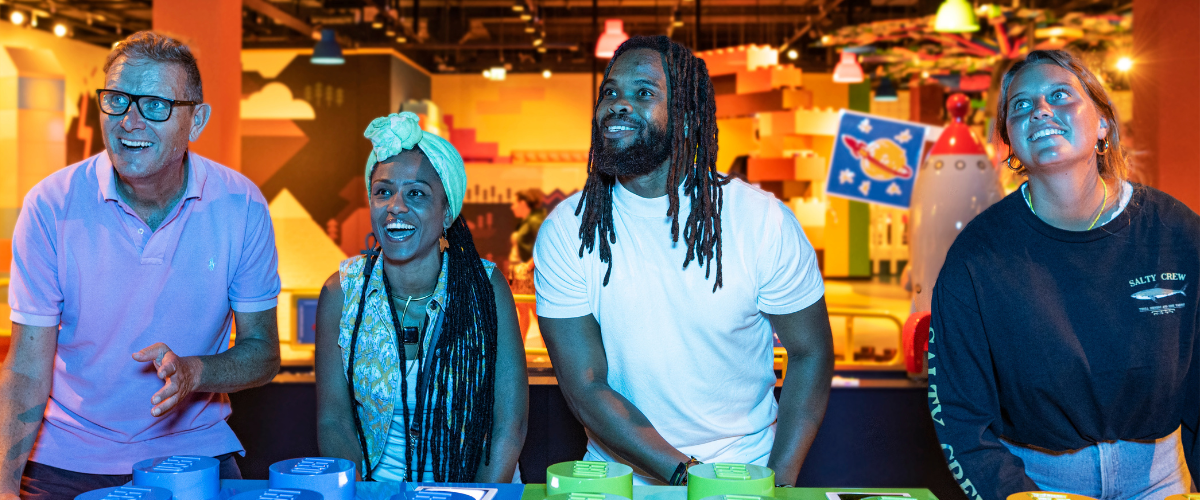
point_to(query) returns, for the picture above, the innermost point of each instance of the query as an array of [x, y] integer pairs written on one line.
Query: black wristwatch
[[679, 478]]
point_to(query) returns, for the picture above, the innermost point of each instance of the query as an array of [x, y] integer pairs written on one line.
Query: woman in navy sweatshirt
[[1063, 346]]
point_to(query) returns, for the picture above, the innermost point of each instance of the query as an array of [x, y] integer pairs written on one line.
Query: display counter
[[384, 491]]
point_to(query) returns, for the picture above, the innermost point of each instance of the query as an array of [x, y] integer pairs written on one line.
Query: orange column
[[1166, 96], [213, 30]]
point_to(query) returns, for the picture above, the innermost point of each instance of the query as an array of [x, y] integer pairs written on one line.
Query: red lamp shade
[[613, 36], [848, 70]]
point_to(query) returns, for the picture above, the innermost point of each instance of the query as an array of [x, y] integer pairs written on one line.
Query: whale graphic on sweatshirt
[[1158, 293]]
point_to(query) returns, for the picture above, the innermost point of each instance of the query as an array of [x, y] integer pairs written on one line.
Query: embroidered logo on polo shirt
[[212, 264], [1161, 291]]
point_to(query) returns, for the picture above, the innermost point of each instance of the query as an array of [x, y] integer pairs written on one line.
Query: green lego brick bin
[[714, 479], [589, 477]]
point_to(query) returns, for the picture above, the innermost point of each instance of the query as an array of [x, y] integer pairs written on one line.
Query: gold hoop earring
[[1099, 151], [1009, 162]]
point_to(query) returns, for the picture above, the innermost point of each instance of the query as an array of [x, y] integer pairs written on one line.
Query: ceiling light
[[613, 36], [519, 6], [1125, 63], [530, 29], [17, 17], [955, 16], [33, 19], [848, 70], [525, 16], [541, 50], [496, 73], [60, 30], [546, 73], [390, 33], [792, 54], [886, 91], [537, 42], [327, 50]]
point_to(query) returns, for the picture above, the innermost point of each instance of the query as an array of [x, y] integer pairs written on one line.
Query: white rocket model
[[955, 184]]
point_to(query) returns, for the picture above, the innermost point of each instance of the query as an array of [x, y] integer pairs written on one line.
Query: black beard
[[644, 155]]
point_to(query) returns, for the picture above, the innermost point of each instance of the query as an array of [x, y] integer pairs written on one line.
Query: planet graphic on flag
[[881, 159]]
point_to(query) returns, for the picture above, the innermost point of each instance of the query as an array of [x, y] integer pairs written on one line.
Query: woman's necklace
[[406, 337], [408, 300], [1103, 202]]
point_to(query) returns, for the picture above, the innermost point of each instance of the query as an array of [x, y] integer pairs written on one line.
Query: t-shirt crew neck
[[696, 362], [635, 205], [1113, 224]]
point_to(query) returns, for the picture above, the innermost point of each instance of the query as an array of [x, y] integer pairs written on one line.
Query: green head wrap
[[397, 132]]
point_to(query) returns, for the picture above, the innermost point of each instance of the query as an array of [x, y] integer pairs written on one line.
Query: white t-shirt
[[698, 364]]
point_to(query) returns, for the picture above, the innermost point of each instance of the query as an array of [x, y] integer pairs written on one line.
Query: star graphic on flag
[[865, 126], [846, 176], [893, 189], [865, 187], [904, 137]]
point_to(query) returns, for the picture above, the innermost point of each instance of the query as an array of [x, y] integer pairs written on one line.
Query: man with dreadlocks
[[667, 364], [416, 338]]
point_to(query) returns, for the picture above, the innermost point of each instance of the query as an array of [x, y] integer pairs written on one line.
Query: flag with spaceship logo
[[875, 159]]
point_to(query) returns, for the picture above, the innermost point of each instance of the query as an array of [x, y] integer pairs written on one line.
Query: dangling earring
[[1099, 151], [443, 244]]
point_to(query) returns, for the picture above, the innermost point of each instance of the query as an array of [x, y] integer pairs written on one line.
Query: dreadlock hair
[[693, 156], [455, 390]]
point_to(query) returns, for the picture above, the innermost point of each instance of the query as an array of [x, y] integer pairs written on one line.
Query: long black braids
[[455, 390], [454, 407], [693, 132]]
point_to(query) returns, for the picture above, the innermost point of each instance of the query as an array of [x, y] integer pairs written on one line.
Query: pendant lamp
[[613, 36], [955, 16], [848, 70], [327, 50], [886, 91]]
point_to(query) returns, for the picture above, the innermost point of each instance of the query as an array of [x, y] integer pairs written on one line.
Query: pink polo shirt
[[84, 261]]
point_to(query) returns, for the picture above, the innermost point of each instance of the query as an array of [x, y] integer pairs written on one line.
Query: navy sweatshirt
[[1062, 339]]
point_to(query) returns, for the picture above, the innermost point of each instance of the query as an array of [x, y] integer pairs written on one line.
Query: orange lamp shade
[[613, 36]]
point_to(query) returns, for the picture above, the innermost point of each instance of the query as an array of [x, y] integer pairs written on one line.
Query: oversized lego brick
[[730, 60], [811, 166], [770, 169], [810, 121], [783, 146], [731, 105], [786, 190], [767, 78]]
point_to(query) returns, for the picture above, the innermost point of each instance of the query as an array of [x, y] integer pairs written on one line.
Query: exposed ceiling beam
[[281, 17], [826, 7], [485, 46], [666, 19]]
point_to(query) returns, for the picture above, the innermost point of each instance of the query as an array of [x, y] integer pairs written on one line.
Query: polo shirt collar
[[106, 177]]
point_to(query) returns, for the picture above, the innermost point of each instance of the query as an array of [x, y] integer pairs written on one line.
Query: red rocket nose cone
[[957, 138], [958, 105]]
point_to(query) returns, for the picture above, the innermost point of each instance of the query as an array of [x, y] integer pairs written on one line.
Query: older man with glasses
[[128, 270]]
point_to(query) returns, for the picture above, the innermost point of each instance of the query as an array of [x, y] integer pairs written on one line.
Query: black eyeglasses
[[153, 108]]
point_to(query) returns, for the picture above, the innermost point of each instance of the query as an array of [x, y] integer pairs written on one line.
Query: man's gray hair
[[148, 45]]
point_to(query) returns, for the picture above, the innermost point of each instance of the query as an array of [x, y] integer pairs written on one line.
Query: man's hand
[[182, 376]]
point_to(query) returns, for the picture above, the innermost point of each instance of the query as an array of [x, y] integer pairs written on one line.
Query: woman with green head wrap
[[420, 367]]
